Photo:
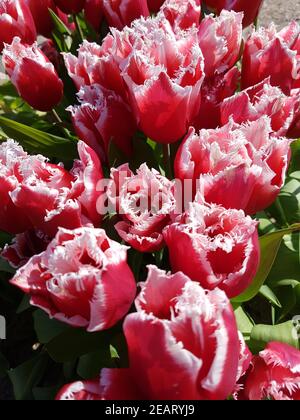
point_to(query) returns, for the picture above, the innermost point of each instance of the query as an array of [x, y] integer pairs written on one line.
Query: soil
[[279, 11]]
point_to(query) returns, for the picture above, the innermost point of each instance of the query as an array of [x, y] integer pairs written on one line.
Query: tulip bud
[[16, 20], [33, 75]]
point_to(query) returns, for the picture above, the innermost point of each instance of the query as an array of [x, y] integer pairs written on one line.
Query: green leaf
[[47, 329], [261, 335], [295, 161], [268, 293], [45, 394], [244, 324], [26, 376], [269, 245], [4, 266], [38, 141], [89, 365], [286, 268], [74, 343], [8, 89], [59, 25], [24, 305], [4, 366]]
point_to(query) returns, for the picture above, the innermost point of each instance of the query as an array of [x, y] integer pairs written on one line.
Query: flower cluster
[[165, 76]]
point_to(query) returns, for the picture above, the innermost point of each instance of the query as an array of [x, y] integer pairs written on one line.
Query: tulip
[[70, 6], [275, 374], [241, 167], [48, 48], [183, 14], [196, 344], [24, 246], [121, 13], [145, 201], [42, 17], [249, 8], [37, 194], [273, 54], [215, 247], [245, 360], [97, 64], [82, 279], [220, 40], [257, 101], [103, 117], [165, 87], [80, 391], [33, 75], [93, 12], [213, 92], [16, 20]]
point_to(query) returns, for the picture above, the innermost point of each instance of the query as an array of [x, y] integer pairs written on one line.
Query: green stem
[[167, 160], [59, 122], [78, 27], [281, 212]]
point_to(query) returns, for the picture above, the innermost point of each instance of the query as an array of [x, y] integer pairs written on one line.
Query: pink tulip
[[196, 343], [220, 40], [275, 374], [257, 101], [97, 64], [273, 54], [215, 247], [33, 75], [40, 195], [145, 201], [102, 117], [82, 279], [242, 167], [16, 20], [213, 92], [120, 13], [182, 14], [165, 87]]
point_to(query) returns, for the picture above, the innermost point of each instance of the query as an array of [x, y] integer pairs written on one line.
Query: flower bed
[[149, 190]]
